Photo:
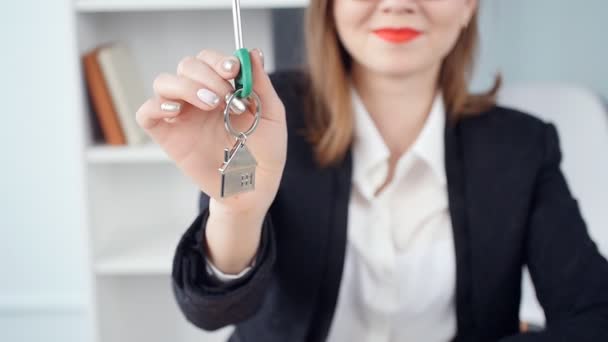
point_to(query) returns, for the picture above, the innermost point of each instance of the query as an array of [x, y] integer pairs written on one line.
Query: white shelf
[[48, 302], [107, 154], [147, 253], [139, 204], [159, 5]]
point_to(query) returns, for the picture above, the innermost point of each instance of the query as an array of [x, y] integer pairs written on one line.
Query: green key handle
[[244, 80]]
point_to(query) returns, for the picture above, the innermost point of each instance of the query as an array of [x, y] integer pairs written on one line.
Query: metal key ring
[[258, 115]]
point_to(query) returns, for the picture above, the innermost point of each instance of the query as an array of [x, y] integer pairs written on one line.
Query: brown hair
[[329, 120]]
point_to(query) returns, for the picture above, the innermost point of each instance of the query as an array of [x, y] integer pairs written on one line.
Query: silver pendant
[[238, 169]]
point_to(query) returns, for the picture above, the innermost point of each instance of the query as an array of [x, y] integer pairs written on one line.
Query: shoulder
[[505, 127], [499, 121], [508, 138]]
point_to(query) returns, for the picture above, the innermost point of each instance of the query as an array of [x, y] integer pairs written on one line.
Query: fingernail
[[237, 106], [170, 106], [228, 65], [261, 54], [170, 120], [208, 97]]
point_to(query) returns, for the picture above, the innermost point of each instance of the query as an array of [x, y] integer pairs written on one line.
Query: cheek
[[445, 39], [350, 18], [446, 27]]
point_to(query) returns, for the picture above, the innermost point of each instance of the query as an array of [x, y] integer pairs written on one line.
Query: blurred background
[[90, 211]]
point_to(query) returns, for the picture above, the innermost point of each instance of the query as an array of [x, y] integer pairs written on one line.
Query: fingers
[[153, 110], [203, 81], [202, 73], [228, 68], [203, 96], [224, 65]]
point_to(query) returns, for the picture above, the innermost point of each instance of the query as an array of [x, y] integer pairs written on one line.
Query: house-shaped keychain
[[238, 170]]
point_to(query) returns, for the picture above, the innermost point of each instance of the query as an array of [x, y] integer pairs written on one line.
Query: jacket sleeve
[[569, 273], [205, 301]]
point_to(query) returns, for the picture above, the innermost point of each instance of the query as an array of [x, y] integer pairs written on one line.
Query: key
[[244, 79], [238, 169]]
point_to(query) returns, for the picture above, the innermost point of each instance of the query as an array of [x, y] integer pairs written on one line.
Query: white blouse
[[399, 278], [399, 274]]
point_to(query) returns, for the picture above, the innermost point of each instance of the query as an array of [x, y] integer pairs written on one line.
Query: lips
[[397, 35]]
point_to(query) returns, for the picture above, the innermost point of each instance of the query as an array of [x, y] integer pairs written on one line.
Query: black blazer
[[510, 206]]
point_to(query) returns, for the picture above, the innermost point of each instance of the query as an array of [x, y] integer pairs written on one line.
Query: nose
[[398, 6]]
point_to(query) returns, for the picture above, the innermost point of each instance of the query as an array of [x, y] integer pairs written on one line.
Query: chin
[[394, 67]]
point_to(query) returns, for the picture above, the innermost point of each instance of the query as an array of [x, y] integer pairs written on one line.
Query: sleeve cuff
[[213, 271]]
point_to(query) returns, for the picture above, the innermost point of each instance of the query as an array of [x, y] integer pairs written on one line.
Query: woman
[[401, 208]]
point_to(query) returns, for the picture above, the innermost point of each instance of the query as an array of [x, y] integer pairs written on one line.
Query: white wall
[[549, 40], [43, 287]]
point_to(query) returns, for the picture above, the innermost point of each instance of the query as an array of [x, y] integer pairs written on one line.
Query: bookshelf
[[148, 153], [138, 202], [161, 5]]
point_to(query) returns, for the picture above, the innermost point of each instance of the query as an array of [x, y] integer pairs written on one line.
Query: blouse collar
[[371, 155]]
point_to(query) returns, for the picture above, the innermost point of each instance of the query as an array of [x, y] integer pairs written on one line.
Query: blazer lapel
[[305, 213], [454, 163], [336, 236]]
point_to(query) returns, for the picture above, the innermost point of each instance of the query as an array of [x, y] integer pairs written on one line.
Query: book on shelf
[[116, 92]]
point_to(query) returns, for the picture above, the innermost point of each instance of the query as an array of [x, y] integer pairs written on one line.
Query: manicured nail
[[208, 97], [170, 106], [261, 54], [228, 65], [237, 106]]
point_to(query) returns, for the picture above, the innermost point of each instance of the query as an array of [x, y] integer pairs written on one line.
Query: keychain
[[238, 170]]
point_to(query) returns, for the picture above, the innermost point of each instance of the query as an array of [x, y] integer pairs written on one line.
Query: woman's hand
[[194, 135]]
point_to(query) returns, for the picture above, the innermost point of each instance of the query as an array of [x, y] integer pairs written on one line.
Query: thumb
[[271, 104]]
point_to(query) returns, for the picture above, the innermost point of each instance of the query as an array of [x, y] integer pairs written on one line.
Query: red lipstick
[[397, 35]]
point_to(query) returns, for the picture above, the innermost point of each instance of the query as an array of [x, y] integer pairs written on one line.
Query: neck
[[398, 105]]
